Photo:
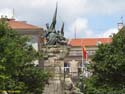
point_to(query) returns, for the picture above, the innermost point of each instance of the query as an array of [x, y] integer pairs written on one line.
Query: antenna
[[60, 18], [120, 25], [121, 19]]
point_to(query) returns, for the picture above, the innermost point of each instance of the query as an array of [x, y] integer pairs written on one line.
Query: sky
[[82, 18]]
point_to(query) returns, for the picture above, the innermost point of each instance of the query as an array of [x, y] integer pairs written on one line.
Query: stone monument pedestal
[[54, 63]]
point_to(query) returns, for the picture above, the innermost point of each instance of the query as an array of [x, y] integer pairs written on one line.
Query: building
[[33, 32], [74, 63], [27, 29]]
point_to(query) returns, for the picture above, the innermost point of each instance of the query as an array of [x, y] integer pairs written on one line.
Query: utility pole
[[75, 32], [13, 14]]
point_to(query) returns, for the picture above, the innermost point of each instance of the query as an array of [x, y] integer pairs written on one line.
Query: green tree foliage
[[17, 71], [108, 68]]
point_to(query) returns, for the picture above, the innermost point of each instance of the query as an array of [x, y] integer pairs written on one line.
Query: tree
[[17, 71], [108, 68]]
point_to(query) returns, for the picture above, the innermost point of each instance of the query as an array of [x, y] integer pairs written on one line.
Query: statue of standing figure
[[53, 37]]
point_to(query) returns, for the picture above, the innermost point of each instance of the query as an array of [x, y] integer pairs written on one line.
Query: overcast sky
[[89, 18]]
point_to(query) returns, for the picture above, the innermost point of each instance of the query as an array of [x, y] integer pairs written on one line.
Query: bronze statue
[[52, 36]]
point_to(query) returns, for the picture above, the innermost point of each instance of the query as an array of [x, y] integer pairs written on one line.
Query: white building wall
[[34, 42]]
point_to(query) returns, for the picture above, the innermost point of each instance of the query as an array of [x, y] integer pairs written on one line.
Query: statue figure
[[61, 38], [53, 37]]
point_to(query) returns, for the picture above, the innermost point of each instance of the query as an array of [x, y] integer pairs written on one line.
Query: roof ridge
[[90, 41], [90, 38], [22, 25], [26, 23]]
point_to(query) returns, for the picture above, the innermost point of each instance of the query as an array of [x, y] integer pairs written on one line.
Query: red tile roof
[[21, 25], [89, 41]]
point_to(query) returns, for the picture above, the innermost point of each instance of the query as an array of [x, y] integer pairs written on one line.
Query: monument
[[55, 49], [53, 37]]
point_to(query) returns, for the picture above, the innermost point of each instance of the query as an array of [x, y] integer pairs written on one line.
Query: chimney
[[23, 21], [120, 26], [2, 16]]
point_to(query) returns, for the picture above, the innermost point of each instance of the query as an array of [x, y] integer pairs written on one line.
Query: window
[[66, 67], [91, 52], [81, 67]]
